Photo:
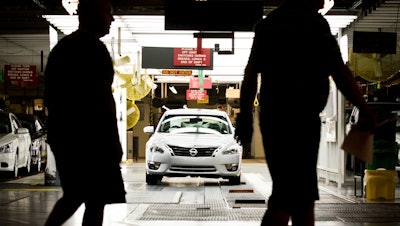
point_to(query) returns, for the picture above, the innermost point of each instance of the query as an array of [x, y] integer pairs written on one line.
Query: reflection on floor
[[194, 201]]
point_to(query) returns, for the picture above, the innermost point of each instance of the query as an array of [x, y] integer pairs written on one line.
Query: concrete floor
[[194, 201]]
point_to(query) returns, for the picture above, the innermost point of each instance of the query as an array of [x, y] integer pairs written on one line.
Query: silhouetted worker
[[82, 122], [295, 53]]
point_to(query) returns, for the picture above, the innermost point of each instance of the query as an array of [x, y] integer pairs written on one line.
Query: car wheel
[[153, 179], [234, 180]]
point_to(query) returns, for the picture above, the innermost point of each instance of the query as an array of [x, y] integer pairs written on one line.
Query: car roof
[[195, 111]]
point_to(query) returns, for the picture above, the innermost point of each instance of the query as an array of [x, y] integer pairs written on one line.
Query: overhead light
[[327, 6], [173, 90], [70, 6], [137, 31], [356, 4]]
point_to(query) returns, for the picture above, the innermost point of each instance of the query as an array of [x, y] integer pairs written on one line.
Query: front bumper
[[221, 166]]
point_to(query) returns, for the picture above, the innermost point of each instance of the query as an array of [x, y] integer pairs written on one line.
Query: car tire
[[153, 179], [234, 180]]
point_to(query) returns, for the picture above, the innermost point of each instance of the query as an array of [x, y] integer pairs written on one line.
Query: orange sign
[[176, 72]]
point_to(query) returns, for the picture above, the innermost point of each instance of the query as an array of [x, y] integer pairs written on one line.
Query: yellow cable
[[255, 103]]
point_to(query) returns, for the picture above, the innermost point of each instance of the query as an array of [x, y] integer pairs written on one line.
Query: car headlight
[[230, 151], [156, 149], [6, 148]]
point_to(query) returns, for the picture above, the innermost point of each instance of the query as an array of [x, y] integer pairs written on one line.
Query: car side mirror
[[22, 130], [148, 129]]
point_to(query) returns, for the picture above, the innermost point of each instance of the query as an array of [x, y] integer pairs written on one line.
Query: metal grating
[[344, 212], [192, 212], [365, 212]]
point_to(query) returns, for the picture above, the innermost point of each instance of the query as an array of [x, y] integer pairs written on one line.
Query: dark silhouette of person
[[295, 54], [82, 123]]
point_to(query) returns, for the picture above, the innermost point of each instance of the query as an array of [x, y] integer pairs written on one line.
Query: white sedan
[[15, 143], [193, 142]]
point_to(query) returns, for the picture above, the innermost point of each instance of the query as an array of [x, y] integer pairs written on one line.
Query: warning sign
[[196, 94], [191, 57], [194, 83], [20, 73], [176, 72]]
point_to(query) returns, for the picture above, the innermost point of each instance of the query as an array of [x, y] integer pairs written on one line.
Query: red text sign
[[195, 94], [25, 73], [194, 83], [190, 57], [176, 72]]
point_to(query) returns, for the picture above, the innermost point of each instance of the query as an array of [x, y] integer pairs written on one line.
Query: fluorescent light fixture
[[132, 32], [173, 90], [344, 48], [327, 6], [70, 6]]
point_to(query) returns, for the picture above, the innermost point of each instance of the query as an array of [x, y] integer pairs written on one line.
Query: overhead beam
[[38, 3]]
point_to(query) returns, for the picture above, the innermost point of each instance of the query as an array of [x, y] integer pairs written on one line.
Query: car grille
[[201, 152], [193, 169]]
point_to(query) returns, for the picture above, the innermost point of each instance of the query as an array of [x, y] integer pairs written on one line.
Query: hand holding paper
[[359, 143]]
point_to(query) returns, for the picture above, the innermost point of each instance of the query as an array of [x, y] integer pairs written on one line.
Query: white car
[[15, 143], [193, 142], [38, 137]]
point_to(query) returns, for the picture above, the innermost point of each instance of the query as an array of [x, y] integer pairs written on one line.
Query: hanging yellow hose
[[256, 103]]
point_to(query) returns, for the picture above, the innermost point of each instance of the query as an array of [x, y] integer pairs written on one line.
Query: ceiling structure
[[24, 30]]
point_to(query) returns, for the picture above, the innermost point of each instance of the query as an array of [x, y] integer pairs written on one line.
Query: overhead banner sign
[[20, 74], [196, 94], [190, 57]]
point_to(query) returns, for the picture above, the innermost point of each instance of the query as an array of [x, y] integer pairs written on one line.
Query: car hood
[[190, 140], [6, 138]]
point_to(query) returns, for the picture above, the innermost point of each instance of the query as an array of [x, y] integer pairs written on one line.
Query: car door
[[24, 141]]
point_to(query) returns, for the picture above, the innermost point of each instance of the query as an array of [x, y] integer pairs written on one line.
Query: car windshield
[[194, 124], [31, 123], [5, 124]]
